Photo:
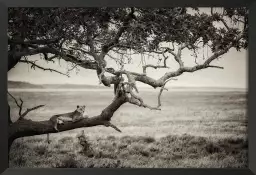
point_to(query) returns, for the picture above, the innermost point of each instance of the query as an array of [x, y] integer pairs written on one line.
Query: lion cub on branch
[[74, 116]]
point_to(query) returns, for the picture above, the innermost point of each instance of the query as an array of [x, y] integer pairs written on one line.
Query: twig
[[108, 124], [76, 64], [29, 110], [19, 105], [219, 67], [154, 66], [33, 65], [22, 115]]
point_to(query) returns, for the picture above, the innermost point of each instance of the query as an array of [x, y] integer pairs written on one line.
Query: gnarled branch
[[22, 128]]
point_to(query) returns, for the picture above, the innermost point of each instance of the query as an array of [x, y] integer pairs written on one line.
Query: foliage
[[122, 29]]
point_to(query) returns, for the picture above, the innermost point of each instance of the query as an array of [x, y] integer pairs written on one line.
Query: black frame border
[[4, 4]]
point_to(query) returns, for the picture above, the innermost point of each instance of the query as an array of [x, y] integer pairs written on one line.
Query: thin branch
[[239, 20], [33, 65], [115, 59], [166, 49], [108, 124], [154, 66], [19, 105], [22, 115], [74, 66], [161, 90], [225, 24], [219, 67], [177, 56], [217, 54], [29, 110]]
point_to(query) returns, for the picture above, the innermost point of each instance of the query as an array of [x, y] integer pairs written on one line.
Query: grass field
[[193, 129]]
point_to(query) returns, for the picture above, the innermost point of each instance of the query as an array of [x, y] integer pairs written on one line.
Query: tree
[[88, 37]]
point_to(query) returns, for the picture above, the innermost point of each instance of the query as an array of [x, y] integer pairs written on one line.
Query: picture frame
[[4, 4]]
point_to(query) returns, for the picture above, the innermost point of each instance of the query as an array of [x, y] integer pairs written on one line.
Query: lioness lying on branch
[[74, 116]]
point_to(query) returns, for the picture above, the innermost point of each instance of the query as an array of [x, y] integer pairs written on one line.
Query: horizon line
[[191, 86]]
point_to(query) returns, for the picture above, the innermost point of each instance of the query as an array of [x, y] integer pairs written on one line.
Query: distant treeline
[[26, 85]]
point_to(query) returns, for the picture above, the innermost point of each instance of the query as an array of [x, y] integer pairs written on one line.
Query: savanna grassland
[[193, 129]]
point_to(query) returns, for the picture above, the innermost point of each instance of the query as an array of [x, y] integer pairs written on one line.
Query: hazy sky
[[234, 73]]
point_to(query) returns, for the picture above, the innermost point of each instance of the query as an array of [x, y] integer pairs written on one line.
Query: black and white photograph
[[127, 87]]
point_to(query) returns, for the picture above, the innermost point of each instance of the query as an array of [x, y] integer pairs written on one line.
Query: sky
[[233, 75]]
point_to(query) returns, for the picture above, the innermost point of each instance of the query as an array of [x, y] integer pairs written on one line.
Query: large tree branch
[[160, 82], [25, 127], [14, 57], [107, 47]]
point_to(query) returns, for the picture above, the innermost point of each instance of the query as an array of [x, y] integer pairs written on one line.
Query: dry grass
[[137, 152], [193, 129]]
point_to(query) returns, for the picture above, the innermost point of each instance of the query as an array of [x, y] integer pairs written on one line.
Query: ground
[[203, 129]]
